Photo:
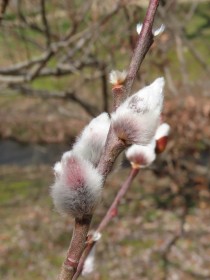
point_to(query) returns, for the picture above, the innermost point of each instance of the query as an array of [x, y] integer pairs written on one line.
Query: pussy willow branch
[[115, 146], [110, 214], [144, 43]]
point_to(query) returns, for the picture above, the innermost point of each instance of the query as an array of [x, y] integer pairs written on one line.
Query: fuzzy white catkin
[[162, 131], [142, 156], [136, 120], [117, 77], [77, 187], [90, 143]]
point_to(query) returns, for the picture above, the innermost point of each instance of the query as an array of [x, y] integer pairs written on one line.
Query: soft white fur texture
[[91, 141], [136, 120], [89, 264], [77, 187], [141, 155], [162, 131], [155, 32], [117, 77]]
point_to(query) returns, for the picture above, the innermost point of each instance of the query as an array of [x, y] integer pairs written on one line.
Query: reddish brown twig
[[118, 95], [144, 43], [110, 214], [76, 248]]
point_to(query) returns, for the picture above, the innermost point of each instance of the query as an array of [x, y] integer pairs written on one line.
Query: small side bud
[[135, 121], [141, 156], [159, 30], [155, 32], [89, 264], [90, 143], [161, 137], [139, 27], [77, 187], [117, 78]]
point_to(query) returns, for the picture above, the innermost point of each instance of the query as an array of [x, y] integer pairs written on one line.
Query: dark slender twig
[[23, 75], [104, 90], [45, 23], [63, 95]]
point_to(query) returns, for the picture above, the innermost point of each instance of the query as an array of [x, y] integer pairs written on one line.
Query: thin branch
[[76, 248], [105, 96], [144, 42], [45, 23], [16, 68], [118, 95], [26, 76], [113, 147], [178, 28], [65, 95], [41, 71], [28, 23], [110, 214], [35, 72]]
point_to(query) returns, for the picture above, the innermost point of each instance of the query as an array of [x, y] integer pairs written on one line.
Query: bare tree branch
[[66, 95], [104, 89]]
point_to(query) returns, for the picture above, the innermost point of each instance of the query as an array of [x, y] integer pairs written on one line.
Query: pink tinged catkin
[[77, 187], [141, 156], [136, 120], [91, 142]]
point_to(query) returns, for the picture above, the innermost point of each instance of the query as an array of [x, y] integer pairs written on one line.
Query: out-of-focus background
[[55, 57]]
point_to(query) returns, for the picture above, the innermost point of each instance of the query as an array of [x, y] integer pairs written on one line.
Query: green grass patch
[[19, 190]]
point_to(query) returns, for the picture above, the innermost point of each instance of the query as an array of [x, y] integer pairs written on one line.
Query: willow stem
[[111, 213], [77, 246]]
